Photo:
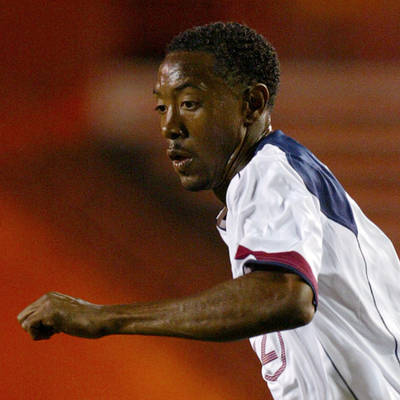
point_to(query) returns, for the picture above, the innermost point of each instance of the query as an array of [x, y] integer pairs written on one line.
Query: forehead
[[182, 67]]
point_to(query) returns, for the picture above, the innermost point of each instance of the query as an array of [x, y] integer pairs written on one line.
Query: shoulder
[[268, 171], [282, 168]]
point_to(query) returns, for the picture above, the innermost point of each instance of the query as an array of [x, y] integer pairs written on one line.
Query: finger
[[29, 309], [39, 331], [34, 306], [23, 315], [42, 333], [26, 324]]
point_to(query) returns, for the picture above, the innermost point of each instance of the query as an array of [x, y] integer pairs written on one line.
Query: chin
[[194, 184]]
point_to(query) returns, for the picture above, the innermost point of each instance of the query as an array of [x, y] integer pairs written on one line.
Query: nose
[[171, 125]]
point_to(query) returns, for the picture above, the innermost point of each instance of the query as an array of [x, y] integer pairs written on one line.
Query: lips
[[180, 158]]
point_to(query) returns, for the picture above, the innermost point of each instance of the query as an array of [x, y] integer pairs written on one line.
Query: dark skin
[[210, 129]]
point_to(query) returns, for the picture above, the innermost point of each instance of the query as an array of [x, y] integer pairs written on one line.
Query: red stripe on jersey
[[290, 260]]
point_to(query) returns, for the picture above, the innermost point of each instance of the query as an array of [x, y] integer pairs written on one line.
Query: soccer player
[[315, 283]]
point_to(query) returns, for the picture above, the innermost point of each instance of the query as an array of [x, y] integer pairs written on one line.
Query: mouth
[[181, 163], [181, 159]]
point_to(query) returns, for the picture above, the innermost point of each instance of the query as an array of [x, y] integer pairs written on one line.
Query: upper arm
[[278, 227], [289, 295]]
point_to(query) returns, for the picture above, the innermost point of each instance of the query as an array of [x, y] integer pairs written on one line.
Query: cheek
[[229, 121], [227, 134], [216, 129]]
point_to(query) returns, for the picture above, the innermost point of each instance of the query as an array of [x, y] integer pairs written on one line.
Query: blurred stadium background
[[89, 205]]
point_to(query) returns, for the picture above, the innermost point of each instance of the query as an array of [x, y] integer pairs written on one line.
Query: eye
[[190, 105], [161, 108]]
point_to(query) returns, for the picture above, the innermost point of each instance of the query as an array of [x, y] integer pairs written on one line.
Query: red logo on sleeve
[[273, 356]]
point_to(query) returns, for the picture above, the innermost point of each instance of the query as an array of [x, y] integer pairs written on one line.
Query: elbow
[[295, 316], [305, 314], [301, 305]]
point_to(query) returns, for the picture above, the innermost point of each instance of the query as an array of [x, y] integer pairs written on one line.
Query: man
[[297, 242]]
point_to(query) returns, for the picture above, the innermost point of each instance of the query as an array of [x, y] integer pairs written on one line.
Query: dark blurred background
[[91, 207]]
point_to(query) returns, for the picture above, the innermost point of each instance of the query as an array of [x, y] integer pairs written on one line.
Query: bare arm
[[260, 302]]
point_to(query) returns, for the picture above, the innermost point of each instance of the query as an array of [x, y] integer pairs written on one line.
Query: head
[[215, 91]]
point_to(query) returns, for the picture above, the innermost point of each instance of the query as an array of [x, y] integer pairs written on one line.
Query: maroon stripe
[[267, 358], [291, 259]]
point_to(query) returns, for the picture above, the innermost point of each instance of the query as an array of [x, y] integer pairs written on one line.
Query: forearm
[[256, 303]]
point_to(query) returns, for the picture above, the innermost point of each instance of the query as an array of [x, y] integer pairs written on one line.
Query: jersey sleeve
[[275, 222]]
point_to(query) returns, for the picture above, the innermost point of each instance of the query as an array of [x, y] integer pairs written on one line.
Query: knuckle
[[48, 302], [48, 296]]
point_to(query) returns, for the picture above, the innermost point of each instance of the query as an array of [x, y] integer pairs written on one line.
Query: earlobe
[[255, 102]]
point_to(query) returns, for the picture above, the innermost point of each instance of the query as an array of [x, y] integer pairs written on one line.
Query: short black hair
[[244, 57]]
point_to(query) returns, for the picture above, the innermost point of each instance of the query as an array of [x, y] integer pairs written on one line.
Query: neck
[[239, 159]]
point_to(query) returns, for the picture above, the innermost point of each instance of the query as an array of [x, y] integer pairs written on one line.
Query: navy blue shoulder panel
[[317, 178]]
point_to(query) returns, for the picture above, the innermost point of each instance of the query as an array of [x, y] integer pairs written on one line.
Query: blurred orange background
[[89, 205]]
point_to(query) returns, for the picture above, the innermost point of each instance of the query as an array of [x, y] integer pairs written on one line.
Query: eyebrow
[[184, 85]]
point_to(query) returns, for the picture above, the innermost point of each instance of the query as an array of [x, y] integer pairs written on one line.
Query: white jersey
[[285, 209]]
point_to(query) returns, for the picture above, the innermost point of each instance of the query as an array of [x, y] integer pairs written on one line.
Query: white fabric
[[348, 350]]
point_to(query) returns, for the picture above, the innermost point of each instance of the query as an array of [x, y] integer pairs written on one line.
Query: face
[[200, 116]]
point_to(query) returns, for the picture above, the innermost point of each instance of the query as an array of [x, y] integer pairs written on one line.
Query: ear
[[255, 102]]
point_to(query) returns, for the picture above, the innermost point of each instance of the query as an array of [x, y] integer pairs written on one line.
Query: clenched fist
[[56, 312]]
